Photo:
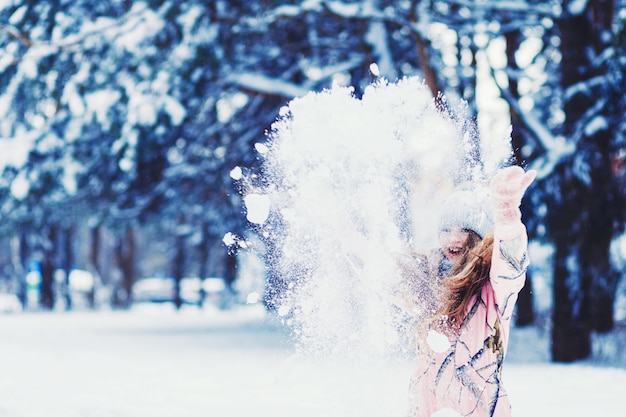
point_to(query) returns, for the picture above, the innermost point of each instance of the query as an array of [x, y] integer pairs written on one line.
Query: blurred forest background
[[126, 125]]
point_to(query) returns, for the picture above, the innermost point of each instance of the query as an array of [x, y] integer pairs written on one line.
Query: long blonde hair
[[467, 279]]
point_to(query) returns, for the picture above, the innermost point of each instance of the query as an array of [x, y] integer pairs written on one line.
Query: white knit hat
[[468, 208]]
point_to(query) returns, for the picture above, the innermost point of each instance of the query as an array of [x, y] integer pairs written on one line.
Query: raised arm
[[510, 253]]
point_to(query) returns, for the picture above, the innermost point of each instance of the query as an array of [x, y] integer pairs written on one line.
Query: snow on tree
[[115, 108]]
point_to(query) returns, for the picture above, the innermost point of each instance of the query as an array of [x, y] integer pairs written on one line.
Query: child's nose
[[457, 236]]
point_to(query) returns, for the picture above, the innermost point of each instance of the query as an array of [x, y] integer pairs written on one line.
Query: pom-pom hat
[[468, 208]]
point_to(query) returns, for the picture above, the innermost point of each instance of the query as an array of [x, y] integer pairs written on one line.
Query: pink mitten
[[507, 189]]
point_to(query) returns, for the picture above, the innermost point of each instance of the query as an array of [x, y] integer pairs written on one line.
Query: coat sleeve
[[508, 266]]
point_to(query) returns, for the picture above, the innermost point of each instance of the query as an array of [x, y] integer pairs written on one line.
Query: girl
[[464, 220], [460, 355]]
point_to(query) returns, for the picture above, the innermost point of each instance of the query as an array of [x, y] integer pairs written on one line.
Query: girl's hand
[[507, 188]]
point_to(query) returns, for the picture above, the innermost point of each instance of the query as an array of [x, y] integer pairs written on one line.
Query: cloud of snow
[[352, 183]]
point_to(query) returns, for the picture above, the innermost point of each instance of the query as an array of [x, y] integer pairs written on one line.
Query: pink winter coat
[[461, 376]]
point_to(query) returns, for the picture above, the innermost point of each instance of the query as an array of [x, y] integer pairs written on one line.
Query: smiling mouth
[[454, 251]]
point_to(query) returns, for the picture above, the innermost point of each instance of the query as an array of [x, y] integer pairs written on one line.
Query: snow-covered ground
[[152, 361]]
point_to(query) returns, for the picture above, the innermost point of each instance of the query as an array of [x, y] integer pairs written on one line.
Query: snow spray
[[347, 183]]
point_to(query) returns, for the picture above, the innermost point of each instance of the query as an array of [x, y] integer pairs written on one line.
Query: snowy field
[[153, 362]]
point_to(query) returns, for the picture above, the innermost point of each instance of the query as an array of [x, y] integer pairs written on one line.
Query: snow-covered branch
[[586, 86], [510, 6], [14, 33], [266, 85], [337, 8], [543, 136], [124, 24], [554, 148], [275, 86]]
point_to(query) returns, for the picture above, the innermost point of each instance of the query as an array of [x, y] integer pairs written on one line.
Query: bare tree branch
[[14, 33]]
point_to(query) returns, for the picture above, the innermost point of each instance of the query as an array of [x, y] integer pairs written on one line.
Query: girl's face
[[454, 241]]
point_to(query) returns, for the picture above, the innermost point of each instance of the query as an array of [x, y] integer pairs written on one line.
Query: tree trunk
[[571, 334], [596, 248], [94, 264], [230, 269], [466, 71], [125, 257], [203, 256], [94, 251], [67, 265], [18, 261], [582, 226], [46, 296], [230, 275], [423, 53], [178, 268], [525, 312]]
